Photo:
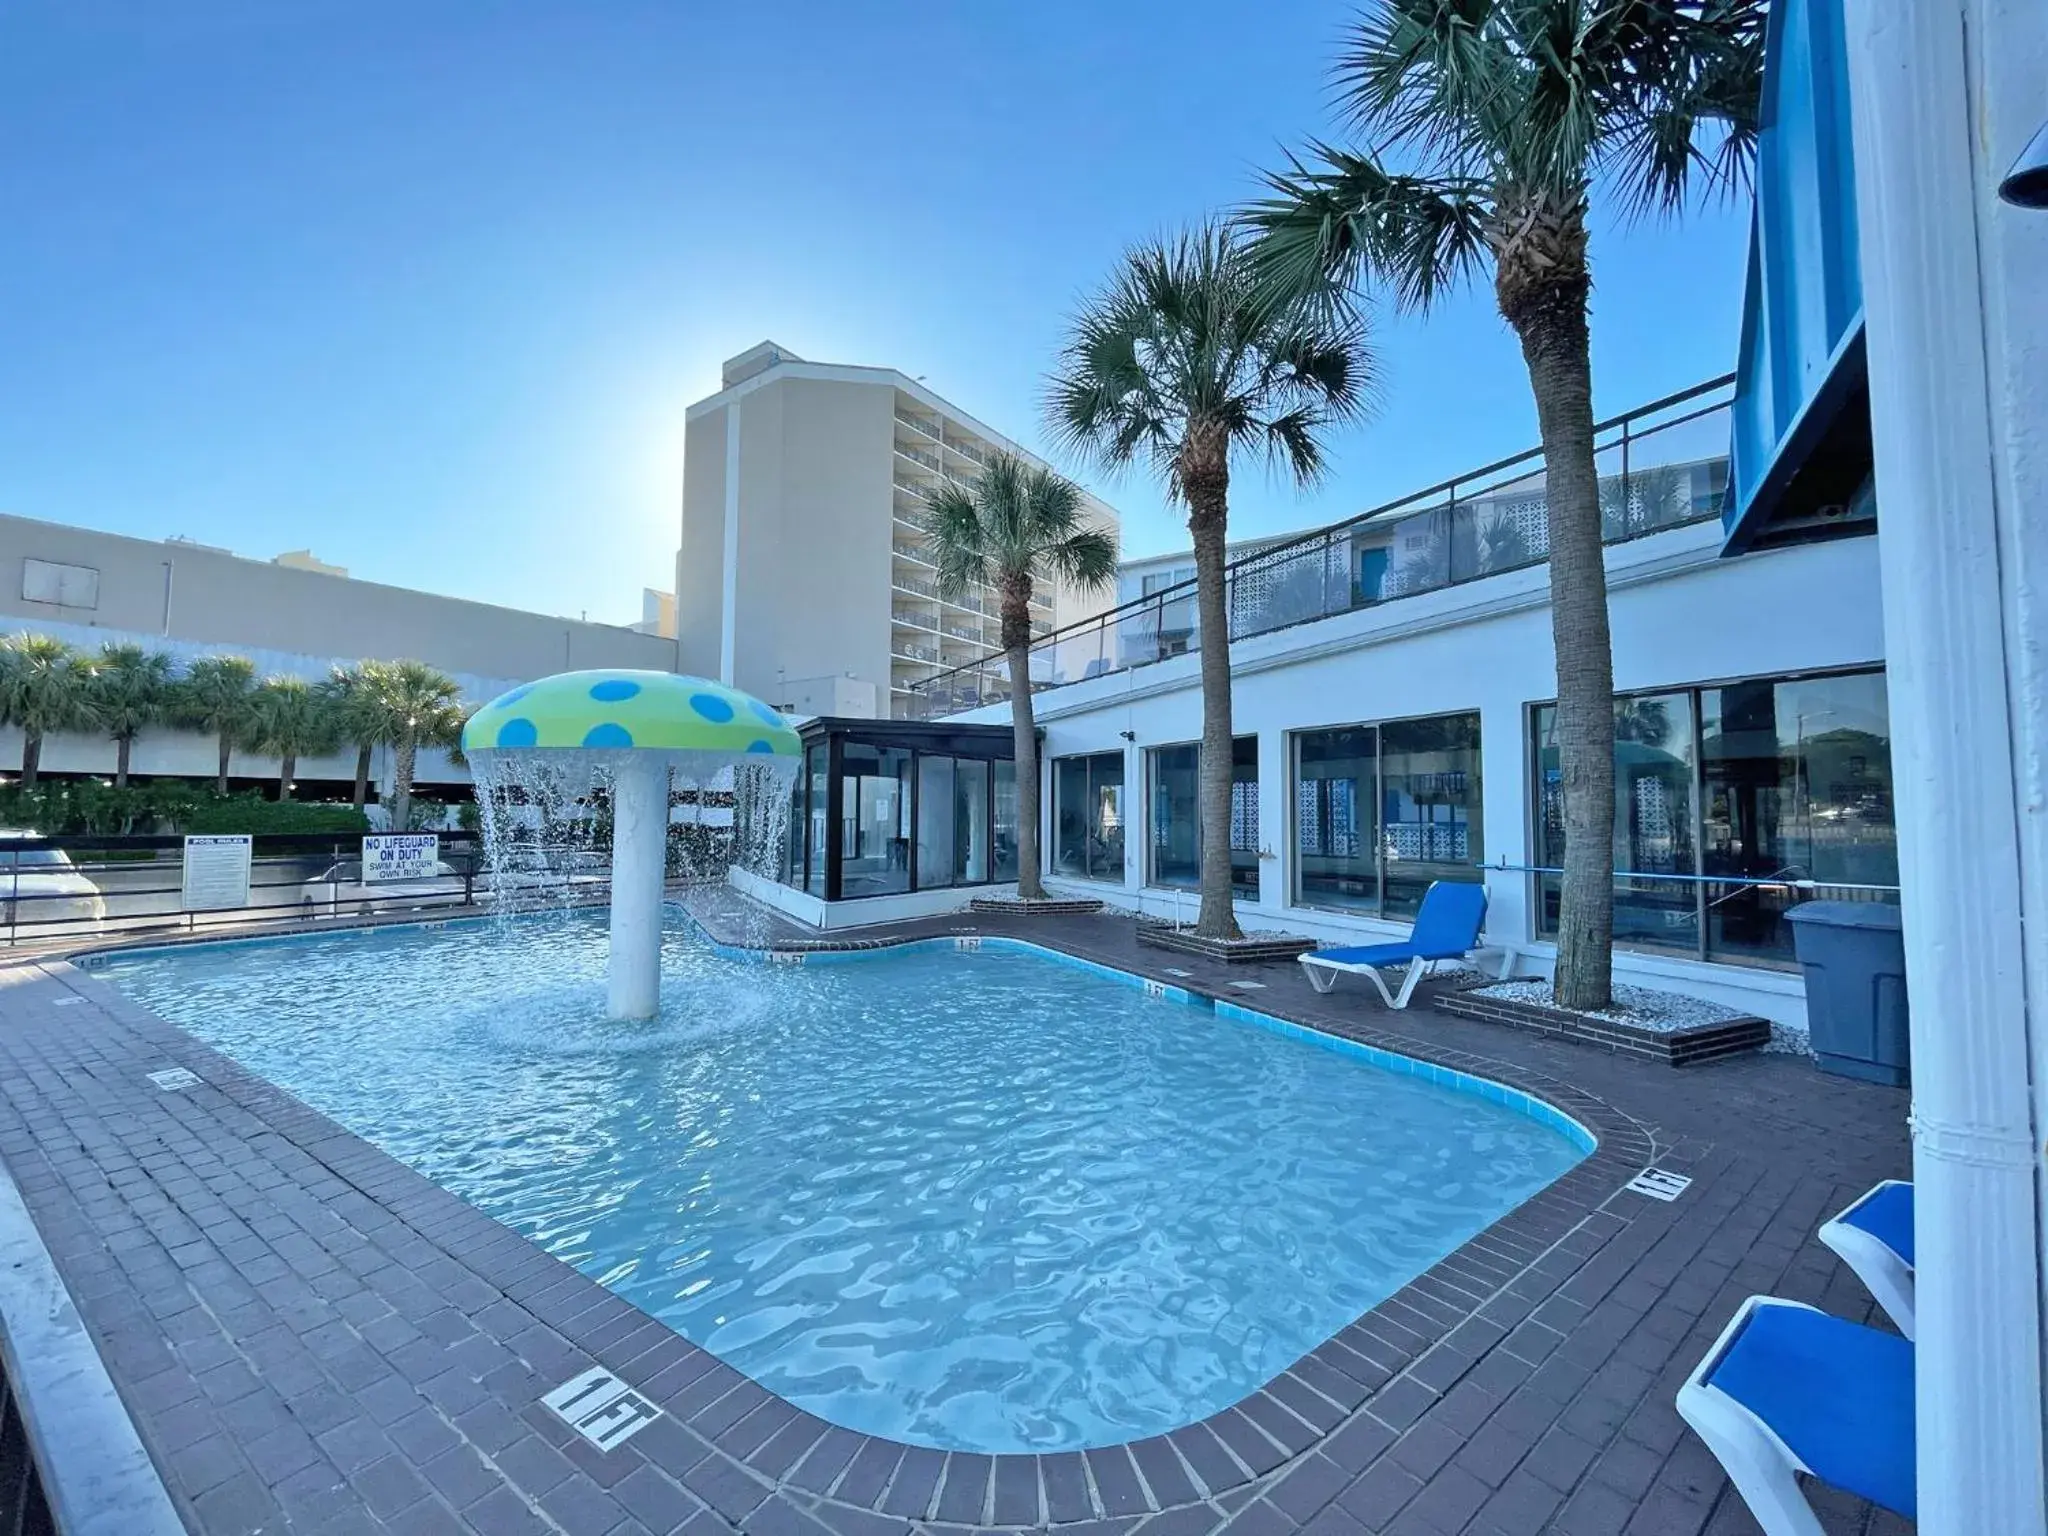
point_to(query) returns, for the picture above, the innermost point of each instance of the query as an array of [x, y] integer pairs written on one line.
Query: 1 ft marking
[[786, 956], [1659, 1185], [173, 1078], [967, 943], [601, 1408]]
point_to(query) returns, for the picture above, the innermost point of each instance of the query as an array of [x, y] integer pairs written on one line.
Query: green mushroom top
[[652, 711]]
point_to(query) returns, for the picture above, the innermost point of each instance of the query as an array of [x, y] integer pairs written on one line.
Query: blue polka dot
[[512, 696], [519, 732], [614, 689], [763, 713], [711, 707], [759, 746], [608, 735]]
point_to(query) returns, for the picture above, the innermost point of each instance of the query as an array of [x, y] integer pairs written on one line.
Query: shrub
[[250, 812]]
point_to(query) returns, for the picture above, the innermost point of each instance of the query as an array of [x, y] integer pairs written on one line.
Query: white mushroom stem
[[639, 854]]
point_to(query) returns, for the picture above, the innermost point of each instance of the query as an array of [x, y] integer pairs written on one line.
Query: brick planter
[[1052, 906], [1249, 951], [1675, 1048]]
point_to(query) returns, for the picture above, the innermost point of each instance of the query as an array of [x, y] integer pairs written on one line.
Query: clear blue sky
[[427, 287]]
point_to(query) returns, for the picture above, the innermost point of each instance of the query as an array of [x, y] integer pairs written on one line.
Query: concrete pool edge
[[1369, 1380]]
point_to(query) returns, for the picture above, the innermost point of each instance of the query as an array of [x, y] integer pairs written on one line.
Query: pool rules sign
[[216, 873], [400, 856]]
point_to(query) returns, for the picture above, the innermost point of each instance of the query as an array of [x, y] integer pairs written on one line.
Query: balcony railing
[[923, 456], [1661, 466], [924, 424]]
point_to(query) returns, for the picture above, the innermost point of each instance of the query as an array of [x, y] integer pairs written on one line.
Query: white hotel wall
[[1680, 615]]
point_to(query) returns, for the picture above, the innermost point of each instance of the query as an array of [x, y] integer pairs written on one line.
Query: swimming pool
[[979, 1201]]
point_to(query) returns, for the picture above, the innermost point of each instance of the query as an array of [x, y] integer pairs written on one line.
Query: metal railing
[[1661, 466], [929, 428]]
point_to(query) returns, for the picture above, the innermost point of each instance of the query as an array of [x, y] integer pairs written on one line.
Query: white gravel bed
[[1642, 1007]]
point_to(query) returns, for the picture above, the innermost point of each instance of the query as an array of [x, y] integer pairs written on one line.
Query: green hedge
[[252, 813], [57, 807]]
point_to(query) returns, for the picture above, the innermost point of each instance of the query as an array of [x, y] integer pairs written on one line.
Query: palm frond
[[1188, 350], [954, 537], [1333, 224]]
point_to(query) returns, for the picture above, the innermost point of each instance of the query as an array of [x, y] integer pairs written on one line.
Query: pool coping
[[738, 1446]]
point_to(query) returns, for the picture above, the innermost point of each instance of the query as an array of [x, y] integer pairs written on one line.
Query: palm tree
[[1181, 360], [358, 719], [218, 695], [1500, 116], [293, 719], [419, 707], [44, 688], [1018, 522], [131, 691]]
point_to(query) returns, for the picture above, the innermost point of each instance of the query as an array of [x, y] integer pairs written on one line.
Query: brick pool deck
[[310, 1337]]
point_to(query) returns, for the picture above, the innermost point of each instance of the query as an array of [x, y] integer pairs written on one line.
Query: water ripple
[[974, 1201]]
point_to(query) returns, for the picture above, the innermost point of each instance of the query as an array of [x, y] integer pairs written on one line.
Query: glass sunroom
[[884, 807]]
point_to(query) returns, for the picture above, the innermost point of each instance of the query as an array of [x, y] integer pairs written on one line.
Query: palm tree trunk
[[287, 770], [1553, 333], [1024, 728], [124, 747], [31, 758], [401, 786], [362, 775], [220, 780], [1208, 519]]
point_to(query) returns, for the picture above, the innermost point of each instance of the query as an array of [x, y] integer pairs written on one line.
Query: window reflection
[[1088, 803], [1382, 812], [1175, 800], [1782, 786]]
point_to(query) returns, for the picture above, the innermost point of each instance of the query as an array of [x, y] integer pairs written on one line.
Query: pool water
[[973, 1200]]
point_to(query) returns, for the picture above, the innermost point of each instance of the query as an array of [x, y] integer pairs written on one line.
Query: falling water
[[547, 823]]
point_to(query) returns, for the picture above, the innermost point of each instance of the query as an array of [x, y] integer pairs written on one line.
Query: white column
[[639, 852], [1955, 304], [1276, 802]]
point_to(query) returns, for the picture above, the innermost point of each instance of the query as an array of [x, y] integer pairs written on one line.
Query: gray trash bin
[[1854, 957]]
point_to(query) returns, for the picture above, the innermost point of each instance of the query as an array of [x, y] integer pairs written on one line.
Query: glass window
[[1383, 812], [874, 820], [934, 822], [1336, 828], [1797, 787], [1176, 812], [819, 774], [1088, 799], [1005, 774], [1429, 807], [1769, 783], [970, 822], [1244, 816], [1654, 778]]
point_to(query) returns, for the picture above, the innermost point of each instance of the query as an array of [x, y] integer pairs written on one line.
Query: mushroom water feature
[[548, 754]]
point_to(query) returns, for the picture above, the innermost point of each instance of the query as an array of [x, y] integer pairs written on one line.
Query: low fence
[[68, 887]]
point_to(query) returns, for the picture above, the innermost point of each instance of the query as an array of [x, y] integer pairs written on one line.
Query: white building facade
[[1404, 741], [803, 575]]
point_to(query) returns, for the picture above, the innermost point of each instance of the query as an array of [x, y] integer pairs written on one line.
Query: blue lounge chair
[[1788, 1389], [1446, 928], [1875, 1238]]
